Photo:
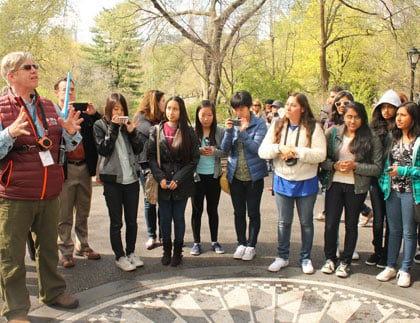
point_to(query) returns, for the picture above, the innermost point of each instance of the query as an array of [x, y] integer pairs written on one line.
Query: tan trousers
[[75, 201], [16, 219]]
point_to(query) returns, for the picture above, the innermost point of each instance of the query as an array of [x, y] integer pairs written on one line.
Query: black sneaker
[[382, 262], [417, 257], [372, 260]]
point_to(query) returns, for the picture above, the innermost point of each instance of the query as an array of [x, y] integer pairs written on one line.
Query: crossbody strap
[[158, 145], [334, 131]]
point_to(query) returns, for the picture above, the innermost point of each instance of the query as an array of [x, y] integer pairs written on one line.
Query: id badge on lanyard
[[46, 158]]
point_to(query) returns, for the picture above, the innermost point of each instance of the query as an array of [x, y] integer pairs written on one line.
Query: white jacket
[[308, 157]]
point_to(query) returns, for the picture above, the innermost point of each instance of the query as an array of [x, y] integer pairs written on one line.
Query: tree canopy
[[209, 49]]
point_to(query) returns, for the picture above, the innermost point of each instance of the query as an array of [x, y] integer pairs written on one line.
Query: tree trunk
[[325, 74]]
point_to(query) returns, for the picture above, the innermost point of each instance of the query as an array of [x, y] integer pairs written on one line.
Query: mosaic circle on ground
[[252, 300]]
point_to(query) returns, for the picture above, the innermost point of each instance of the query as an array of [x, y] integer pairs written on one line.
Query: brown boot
[[65, 301]]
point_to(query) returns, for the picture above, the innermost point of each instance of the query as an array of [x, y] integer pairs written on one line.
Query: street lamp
[[413, 57]]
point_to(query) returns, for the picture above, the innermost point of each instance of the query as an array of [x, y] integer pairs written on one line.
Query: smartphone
[[236, 122], [389, 169], [124, 119], [80, 106]]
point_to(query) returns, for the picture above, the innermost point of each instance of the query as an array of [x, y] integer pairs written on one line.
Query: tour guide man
[[30, 182]]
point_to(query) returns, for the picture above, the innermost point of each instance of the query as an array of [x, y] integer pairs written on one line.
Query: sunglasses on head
[[28, 67], [342, 103]]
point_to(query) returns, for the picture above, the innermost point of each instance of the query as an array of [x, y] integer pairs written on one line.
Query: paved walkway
[[217, 288]]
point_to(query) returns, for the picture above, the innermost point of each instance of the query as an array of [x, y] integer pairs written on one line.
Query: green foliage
[[124, 58], [116, 50]]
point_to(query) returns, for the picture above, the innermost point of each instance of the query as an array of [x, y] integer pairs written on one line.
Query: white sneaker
[[307, 266], [329, 267], [239, 252], [150, 244], [278, 264], [343, 270], [249, 253], [136, 261], [124, 264], [355, 255], [386, 274], [404, 279]]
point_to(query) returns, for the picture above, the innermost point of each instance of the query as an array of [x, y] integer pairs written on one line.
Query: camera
[[80, 106], [45, 143], [236, 122], [291, 161]]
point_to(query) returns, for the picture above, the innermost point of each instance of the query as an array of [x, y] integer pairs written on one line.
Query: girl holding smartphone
[[208, 173], [117, 142]]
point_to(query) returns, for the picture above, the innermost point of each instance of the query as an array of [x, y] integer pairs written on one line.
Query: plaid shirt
[[412, 171]]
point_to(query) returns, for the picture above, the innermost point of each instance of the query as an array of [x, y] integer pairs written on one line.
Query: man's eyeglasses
[[342, 103], [28, 67]]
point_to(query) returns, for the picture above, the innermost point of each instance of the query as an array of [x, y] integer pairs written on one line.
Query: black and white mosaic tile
[[251, 300]]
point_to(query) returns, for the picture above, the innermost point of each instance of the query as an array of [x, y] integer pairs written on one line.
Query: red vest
[[22, 175]]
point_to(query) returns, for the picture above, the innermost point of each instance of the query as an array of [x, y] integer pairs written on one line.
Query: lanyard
[[30, 119], [297, 136]]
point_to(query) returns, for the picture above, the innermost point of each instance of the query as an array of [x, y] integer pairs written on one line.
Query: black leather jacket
[[171, 165]]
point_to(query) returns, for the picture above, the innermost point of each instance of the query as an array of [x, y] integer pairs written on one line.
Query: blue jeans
[[400, 213], [247, 195], [172, 210], [305, 207]]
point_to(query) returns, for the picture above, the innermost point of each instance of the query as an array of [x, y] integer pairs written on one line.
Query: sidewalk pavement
[[213, 287]]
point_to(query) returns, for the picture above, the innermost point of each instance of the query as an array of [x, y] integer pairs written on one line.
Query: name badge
[[46, 158]]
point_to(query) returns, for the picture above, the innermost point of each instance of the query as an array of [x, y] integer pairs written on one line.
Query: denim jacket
[[251, 138]]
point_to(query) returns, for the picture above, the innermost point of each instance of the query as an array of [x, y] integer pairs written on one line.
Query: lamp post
[[413, 56]]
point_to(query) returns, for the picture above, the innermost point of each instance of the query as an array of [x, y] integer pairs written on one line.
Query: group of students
[[380, 158]]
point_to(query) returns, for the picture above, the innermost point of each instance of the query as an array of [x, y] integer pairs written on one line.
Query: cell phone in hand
[[80, 106], [389, 169], [123, 119], [236, 122]]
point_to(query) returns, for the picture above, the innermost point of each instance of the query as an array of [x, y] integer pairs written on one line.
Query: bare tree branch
[[358, 9]]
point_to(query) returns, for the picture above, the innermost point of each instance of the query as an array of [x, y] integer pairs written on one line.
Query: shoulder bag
[[151, 185]]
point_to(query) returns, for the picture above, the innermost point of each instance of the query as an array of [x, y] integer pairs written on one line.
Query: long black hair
[[111, 101], [199, 126], [183, 142], [414, 131], [337, 118], [361, 145], [379, 125]]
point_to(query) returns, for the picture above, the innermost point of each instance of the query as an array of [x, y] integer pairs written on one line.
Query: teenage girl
[[208, 173]]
